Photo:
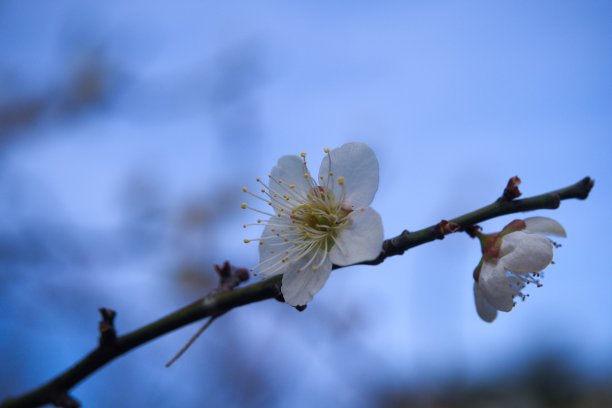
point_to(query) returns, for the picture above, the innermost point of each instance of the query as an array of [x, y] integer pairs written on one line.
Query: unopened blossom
[[512, 259], [314, 223]]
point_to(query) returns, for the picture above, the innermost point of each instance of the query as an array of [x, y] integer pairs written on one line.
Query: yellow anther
[[341, 180], [243, 206], [246, 241], [291, 185], [306, 175], [303, 155], [326, 150], [244, 189]]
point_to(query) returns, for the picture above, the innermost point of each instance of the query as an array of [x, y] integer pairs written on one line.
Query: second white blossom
[[512, 259]]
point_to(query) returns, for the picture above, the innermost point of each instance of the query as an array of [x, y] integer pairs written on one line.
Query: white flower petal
[[361, 240], [544, 225], [299, 287], [357, 163], [523, 252], [289, 170], [314, 224], [486, 312], [495, 287], [271, 252]]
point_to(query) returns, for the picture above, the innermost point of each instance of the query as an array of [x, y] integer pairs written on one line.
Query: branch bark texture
[[57, 390]]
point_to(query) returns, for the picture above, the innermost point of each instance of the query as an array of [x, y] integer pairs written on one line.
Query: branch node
[[556, 201], [445, 227], [64, 400], [230, 277], [473, 230], [392, 247], [512, 191], [106, 327]]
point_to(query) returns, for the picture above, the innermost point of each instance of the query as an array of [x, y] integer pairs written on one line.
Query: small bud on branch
[[106, 327], [512, 191], [445, 227]]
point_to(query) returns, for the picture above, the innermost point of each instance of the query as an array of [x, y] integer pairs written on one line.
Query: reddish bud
[[446, 227], [512, 191]]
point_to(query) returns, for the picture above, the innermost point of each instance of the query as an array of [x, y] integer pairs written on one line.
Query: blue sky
[[455, 98]]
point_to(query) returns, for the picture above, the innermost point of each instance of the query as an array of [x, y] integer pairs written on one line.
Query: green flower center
[[321, 218]]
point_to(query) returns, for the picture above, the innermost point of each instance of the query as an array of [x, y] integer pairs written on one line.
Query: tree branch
[[226, 297], [502, 206]]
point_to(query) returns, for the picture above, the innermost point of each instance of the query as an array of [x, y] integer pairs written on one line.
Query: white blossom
[[512, 259], [316, 223]]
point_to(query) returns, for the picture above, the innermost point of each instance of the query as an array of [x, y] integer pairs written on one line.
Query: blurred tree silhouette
[[92, 83], [547, 382]]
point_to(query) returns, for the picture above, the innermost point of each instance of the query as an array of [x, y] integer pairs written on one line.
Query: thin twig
[[192, 340]]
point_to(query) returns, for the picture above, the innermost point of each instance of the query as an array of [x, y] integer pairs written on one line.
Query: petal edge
[[298, 288], [361, 240], [544, 225], [357, 163]]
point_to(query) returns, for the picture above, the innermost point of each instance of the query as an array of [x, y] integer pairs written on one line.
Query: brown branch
[[226, 297], [502, 206]]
